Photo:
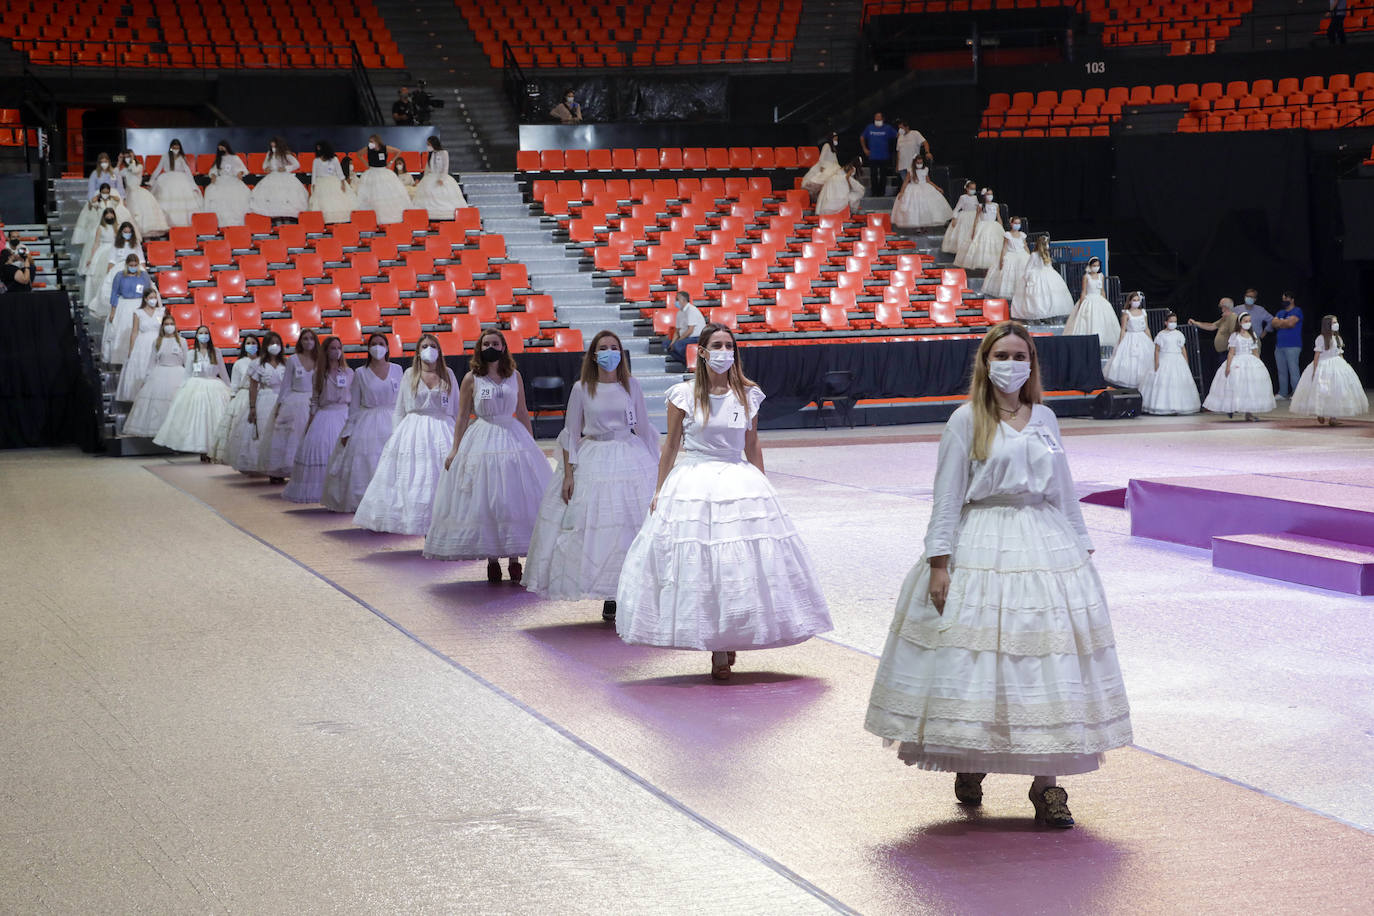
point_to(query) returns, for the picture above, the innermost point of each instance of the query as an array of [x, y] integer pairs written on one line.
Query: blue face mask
[[608, 359]]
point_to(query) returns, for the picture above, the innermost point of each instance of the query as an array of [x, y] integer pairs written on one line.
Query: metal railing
[[141, 56], [513, 81], [362, 85]]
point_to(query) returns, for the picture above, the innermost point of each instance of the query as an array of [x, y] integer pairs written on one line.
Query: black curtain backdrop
[[635, 98], [1050, 182], [45, 399]]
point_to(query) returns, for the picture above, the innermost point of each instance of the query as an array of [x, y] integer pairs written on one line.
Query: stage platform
[[1314, 528]]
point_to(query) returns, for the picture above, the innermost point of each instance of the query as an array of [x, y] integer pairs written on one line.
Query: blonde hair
[[591, 369], [417, 364], [1042, 248], [739, 382], [981, 393]]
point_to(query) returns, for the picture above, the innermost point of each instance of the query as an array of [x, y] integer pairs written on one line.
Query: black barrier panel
[[613, 136], [153, 141], [632, 98], [45, 399]]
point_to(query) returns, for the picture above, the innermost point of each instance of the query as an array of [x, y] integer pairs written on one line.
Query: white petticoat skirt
[[321, 438], [579, 547], [233, 418], [718, 565], [1334, 390], [984, 249], [114, 343], [352, 464], [487, 501], [146, 212], [1019, 675], [248, 443], [1248, 389], [920, 205], [1170, 389], [959, 231], [154, 400], [135, 368], [400, 495], [380, 191], [328, 197], [1132, 361], [438, 194], [194, 417], [229, 199], [178, 196], [1094, 315], [279, 194], [1043, 294], [288, 429], [1004, 279]]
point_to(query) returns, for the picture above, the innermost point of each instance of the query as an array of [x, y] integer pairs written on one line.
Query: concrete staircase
[[827, 35], [579, 299]]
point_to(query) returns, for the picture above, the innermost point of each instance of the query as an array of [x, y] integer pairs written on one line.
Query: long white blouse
[[437, 162], [372, 393], [183, 165], [287, 163], [611, 413], [433, 402], [1026, 463], [230, 166]]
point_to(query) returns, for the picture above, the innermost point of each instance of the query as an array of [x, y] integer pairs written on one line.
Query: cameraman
[[16, 271], [403, 110], [423, 103]]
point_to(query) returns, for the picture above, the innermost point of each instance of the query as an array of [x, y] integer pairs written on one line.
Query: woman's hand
[[653, 504], [449, 460], [567, 486], [939, 587]]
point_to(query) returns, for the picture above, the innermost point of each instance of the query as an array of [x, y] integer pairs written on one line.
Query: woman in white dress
[[826, 167], [960, 228], [1329, 388], [437, 192], [920, 203], [1134, 357], [166, 372], [372, 403], [1043, 293], [379, 190], [842, 191], [291, 415], [238, 398], [1004, 280], [328, 192], [400, 497], [488, 496], [144, 325], [104, 198], [1242, 384], [248, 442], [398, 165], [1000, 658], [279, 194], [94, 259], [1170, 389], [592, 511], [984, 249], [126, 245], [333, 383], [200, 402], [128, 293], [1094, 314], [143, 207], [174, 185], [227, 196], [718, 565]]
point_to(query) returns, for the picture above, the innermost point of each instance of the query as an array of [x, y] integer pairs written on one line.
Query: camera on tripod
[[424, 103]]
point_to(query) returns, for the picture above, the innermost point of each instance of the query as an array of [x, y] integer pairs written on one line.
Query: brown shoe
[[968, 788], [720, 666], [515, 570], [1052, 806]]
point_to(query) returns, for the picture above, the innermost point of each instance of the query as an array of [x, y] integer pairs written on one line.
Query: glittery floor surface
[[217, 701]]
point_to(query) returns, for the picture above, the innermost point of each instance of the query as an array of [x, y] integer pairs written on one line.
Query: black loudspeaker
[[1116, 404]]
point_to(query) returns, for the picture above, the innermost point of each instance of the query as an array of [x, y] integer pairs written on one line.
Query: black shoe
[[515, 570], [493, 571], [1052, 806], [608, 611], [968, 788]]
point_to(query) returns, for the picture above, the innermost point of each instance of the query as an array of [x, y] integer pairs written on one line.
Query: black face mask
[[491, 354]]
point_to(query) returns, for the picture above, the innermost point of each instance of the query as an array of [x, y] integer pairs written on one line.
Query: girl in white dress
[[372, 403], [400, 496], [1004, 280], [94, 259], [488, 496], [1242, 384], [127, 295], [126, 245], [143, 207], [227, 196], [200, 402], [1329, 388], [1043, 293], [166, 373], [238, 398], [842, 191], [920, 203], [718, 564], [292, 414], [379, 190], [248, 442], [593, 510], [960, 228], [1170, 388], [1094, 314], [143, 330], [279, 194], [104, 198], [1134, 357], [174, 185], [826, 167], [328, 412], [437, 192], [398, 165], [328, 192], [984, 249], [1000, 658]]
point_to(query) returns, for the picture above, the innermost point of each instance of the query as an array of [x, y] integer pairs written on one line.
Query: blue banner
[[1079, 252]]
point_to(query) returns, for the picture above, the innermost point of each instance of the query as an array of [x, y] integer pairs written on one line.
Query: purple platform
[[1116, 499], [1294, 558]]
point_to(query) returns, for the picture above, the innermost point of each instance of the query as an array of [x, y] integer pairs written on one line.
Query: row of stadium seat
[[667, 158]]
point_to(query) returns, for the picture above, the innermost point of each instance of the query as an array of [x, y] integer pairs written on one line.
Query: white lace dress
[[238, 407], [1329, 387], [136, 363], [327, 193], [1170, 389], [1043, 293], [227, 196], [248, 442], [826, 166], [165, 376], [960, 228], [280, 193], [1004, 279], [1247, 388], [176, 191], [437, 192], [286, 426], [1134, 357], [199, 406], [328, 414], [985, 247], [1094, 314], [147, 213], [920, 203], [1019, 674], [372, 403]]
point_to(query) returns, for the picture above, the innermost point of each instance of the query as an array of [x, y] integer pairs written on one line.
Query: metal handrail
[[362, 84], [513, 80]]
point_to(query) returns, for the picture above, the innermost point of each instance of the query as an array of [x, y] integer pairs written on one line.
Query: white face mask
[[371, 145], [378, 351], [250, 349], [1093, 268], [569, 100], [1249, 300], [877, 122], [273, 349], [1335, 326], [1135, 303], [127, 235], [429, 354], [169, 329], [1009, 374], [1245, 325], [1172, 324], [902, 131], [720, 361], [203, 338], [1016, 227]]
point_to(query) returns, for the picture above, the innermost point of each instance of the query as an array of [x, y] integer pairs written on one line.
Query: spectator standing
[[1287, 326], [16, 272], [403, 110], [1335, 28], [879, 142], [1224, 327], [567, 111], [911, 145]]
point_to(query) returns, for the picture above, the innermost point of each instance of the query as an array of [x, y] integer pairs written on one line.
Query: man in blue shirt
[[1288, 344], [878, 141]]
